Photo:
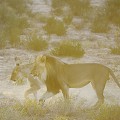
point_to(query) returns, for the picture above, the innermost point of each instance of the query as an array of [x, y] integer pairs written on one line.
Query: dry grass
[[58, 110]]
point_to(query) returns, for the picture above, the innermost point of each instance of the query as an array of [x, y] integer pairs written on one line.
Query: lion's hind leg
[[99, 86]]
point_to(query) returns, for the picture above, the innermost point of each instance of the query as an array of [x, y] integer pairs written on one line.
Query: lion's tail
[[113, 76]]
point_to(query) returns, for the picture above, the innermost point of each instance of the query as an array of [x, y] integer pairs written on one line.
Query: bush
[[107, 14], [12, 23], [40, 17], [58, 4], [115, 50], [36, 43], [54, 26], [19, 5], [57, 11], [79, 7], [112, 10], [100, 23], [71, 48], [68, 19]]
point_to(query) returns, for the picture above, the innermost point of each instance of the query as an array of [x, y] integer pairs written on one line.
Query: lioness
[[25, 71], [62, 76]]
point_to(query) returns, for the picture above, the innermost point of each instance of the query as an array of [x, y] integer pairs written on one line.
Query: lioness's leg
[[46, 96], [99, 88], [35, 95], [32, 90], [27, 92]]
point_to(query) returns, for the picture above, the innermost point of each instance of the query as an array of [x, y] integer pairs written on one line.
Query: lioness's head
[[16, 71]]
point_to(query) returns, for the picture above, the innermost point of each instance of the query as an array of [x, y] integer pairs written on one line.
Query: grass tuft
[[30, 108]]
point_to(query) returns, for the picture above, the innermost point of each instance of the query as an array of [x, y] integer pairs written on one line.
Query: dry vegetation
[[35, 43], [70, 48], [12, 21], [30, 110], [54, 26]]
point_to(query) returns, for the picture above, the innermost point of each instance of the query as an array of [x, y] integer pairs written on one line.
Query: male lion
[[62, 76], [25, 71]]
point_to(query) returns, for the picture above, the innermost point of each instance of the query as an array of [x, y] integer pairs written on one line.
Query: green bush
[[100, 23], [106, 15], [36, 43], [79, 7], [112, 10], [54, 26], [40, 17], [68, 19], [57, 11], [19, 5], [71, 48], [57, 3], [12, 23], [115, 50]]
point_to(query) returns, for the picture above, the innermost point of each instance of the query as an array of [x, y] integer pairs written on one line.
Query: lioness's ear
[[17, 61], [37, 59], [43, 59]]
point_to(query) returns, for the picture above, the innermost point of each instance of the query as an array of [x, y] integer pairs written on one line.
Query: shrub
[[54, 26], [57, 3], [68, 19], [40, 17], [57, 11], [79, 7], [71, 48], [36, 43], [115, 50], [112, 10], [12, 24], [100, 23], [19, 5]]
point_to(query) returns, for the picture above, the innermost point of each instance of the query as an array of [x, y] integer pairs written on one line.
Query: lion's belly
[[78, 82]]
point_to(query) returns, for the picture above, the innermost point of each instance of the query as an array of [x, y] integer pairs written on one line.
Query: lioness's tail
[[113, 76]]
